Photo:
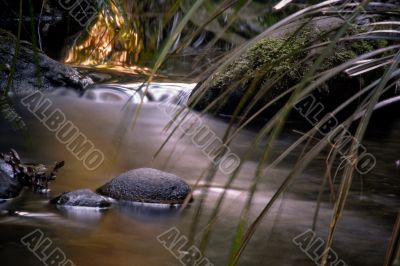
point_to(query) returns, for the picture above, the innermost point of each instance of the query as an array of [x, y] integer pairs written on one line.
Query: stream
[[126, 234]]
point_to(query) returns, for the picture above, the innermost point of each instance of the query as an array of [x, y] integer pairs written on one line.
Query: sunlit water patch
[[135, 93]]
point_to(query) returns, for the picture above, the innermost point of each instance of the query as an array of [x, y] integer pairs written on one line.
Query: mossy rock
[[281, 54]]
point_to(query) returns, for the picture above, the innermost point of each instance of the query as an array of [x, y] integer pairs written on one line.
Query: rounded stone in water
[[9, 187], [81, 198], [147, 185]]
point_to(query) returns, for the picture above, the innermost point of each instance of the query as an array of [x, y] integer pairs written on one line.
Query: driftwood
[[35, 176]]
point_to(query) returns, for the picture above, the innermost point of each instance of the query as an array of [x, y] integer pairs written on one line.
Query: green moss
[[361, 47], [264, 60], [267, 57], [341, 56], [380, 43], [275, 56], [278, 55]]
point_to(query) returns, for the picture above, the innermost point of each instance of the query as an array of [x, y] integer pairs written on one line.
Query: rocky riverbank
[[269, 67], [24, 69]]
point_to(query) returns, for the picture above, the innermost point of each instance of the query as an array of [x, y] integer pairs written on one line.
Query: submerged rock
[[81, 198], [147, 185], [9, 187], [35, 71]]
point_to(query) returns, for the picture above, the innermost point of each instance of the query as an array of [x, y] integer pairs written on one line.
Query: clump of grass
[[338, 53]]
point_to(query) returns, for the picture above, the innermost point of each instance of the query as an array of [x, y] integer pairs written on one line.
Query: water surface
[[126, 234]]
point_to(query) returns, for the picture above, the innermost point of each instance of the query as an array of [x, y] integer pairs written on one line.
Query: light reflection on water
[[126, 233]]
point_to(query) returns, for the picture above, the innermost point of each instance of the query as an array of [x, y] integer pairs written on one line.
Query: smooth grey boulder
[[81, 198], [9, 188], [147, 185]]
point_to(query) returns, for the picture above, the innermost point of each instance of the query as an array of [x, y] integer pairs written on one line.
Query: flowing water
[[126, 233]]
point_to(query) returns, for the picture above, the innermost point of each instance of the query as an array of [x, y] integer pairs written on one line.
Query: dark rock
[[81, 198], [147, 185], [57, 22], [36, 72], [237, 75], [261, 61], [9, 188], [6, 168]]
